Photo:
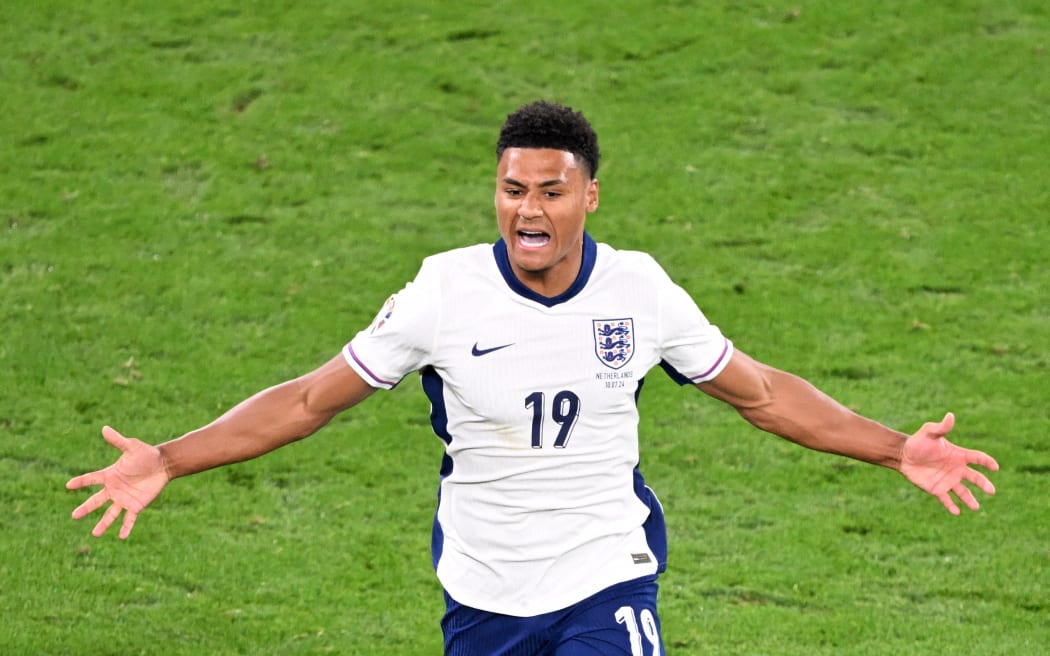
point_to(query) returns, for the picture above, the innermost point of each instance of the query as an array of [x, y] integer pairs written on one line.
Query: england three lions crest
[[614, 341]]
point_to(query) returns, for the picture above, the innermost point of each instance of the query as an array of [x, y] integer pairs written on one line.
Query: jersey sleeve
[[400, 339], [694, 350]]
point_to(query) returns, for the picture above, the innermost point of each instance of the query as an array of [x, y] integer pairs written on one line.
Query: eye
[[512, 192]]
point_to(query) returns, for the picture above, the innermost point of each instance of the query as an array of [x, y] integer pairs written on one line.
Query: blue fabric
[[604, 624], [590, 256]]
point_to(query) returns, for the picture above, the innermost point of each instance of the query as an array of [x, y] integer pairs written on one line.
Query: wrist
[[896, 458], [167, 460]]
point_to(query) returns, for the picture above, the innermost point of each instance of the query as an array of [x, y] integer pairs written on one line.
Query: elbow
[[308, 421], [760, 417]]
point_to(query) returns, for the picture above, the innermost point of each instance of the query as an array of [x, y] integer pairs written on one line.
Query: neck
[[548, 286]]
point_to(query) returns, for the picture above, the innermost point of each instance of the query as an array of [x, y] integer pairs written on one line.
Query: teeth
[[533, 239]]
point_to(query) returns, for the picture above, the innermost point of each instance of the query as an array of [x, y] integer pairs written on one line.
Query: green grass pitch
[[198, 200]]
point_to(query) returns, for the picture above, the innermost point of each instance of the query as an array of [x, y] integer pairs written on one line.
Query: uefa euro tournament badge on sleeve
[[384, 314], [614, 341]]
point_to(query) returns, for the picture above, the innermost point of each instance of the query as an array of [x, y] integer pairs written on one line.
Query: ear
[[592, 195]]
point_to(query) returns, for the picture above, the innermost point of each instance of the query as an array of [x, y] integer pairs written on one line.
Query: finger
[[94, 502], [947, 502], [941, 428], [128, 524], [948, 423], [966, 496], [980, 480], [108, 518], [981, 458], [116, 439], [84, 480]]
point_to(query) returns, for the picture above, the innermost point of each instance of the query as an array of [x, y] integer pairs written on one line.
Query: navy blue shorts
[[618, 621]]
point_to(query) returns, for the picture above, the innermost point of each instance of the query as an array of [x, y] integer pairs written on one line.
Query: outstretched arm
[[788, 406], [267, 421]]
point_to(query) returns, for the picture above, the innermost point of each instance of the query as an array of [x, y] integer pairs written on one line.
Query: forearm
[[799, 412], [262, 423], [269, 420]]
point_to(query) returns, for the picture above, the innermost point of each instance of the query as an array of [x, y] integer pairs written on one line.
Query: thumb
[[115, 439], [941, 428]]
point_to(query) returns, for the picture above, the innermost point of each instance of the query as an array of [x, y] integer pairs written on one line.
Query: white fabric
[[527, 530]]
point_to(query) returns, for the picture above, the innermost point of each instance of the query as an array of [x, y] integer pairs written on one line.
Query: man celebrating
[[533, 352]]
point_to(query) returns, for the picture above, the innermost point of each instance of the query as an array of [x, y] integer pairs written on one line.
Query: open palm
[[131, 483], [935, 465]]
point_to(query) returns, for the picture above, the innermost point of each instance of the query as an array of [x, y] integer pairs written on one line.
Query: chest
[[544, 373]]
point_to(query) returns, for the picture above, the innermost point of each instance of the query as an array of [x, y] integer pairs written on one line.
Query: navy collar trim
[[590, 255]]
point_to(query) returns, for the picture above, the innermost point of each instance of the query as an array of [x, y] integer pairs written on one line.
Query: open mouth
[[533, 238]]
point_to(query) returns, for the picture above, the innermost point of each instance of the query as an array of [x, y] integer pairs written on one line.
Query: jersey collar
[[590, 253]]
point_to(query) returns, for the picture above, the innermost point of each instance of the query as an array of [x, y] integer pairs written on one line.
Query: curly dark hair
[[544, 124]]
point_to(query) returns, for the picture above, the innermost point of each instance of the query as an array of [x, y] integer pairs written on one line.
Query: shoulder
[[455, 260], [459, 256], [631, 262]]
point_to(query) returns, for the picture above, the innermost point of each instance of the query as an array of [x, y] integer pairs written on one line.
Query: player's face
[[543, 197]]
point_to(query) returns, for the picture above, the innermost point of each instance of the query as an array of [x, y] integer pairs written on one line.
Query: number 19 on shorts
[[638, 625]]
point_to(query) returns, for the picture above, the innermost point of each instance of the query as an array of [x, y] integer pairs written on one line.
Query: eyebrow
[[546, 183]]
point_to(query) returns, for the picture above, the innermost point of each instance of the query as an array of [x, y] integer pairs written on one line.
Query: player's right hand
[[131, 483]]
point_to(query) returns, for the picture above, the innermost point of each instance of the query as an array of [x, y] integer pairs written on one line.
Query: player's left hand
[[937, 466]]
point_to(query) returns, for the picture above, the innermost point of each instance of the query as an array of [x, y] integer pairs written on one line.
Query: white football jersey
[[541, 504]]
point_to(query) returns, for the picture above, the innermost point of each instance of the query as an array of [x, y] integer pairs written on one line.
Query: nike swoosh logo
[[477, 352]]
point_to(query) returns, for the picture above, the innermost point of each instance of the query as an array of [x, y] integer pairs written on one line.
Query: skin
[[268, 420], [546, 193]]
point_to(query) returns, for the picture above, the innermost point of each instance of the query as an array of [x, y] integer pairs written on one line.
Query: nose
[[529, 208]]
